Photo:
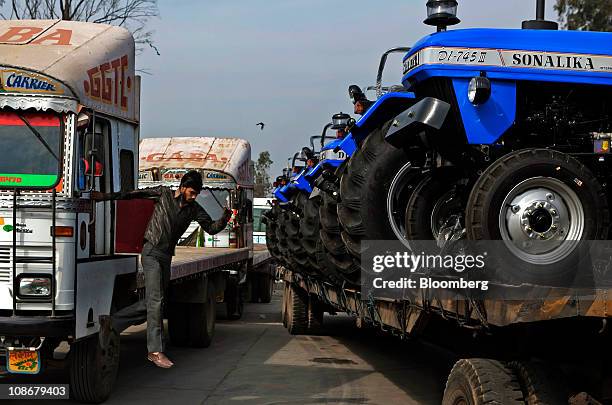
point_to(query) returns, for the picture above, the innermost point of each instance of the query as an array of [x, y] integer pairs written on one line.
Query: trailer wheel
[[284, 306], [315, 316], [364, 190], [202, 319], [297, 322], [541, 385], [93, 368], [481, 381], [542, 204], [178, 323]]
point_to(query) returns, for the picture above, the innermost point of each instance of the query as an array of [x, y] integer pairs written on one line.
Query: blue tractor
[[497, 134]]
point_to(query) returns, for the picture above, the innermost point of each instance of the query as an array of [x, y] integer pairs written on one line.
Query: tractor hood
[[544, 55]]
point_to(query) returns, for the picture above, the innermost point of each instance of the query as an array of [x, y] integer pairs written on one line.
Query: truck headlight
[[35, 286], [479, 90]]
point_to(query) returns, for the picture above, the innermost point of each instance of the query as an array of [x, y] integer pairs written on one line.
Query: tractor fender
[[427, 113]]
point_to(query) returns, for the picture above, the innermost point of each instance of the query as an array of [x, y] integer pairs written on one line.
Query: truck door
[[97, 149]]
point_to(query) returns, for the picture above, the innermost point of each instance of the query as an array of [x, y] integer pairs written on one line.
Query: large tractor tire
[[271, 238], [281, 234], [310, 227], [482, 381], [294, 236], [434, 202], [331, 237], [364, 189], [93, 368], [546, 206]]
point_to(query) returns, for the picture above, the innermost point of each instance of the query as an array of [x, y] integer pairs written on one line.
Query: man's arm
[[210, 226], [145, 193]]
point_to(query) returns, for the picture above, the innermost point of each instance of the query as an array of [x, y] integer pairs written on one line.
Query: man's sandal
[[160, 360]]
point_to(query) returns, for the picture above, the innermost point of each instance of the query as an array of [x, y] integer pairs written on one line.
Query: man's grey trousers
[[156, 267]]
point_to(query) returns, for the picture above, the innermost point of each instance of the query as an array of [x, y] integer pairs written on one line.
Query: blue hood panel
[[595, 43]]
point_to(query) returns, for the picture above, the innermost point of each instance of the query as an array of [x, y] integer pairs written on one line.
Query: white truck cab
[[69, 125]]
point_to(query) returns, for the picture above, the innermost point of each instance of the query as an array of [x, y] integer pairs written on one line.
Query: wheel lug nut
[[540, 205], [553, 212]]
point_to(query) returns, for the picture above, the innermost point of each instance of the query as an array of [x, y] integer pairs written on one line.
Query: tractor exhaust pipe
[[540, 23]]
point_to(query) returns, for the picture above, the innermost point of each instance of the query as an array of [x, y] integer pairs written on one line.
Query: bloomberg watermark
[[483, 269]]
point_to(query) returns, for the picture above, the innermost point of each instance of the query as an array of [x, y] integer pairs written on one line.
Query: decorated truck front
[[68, 126], [225, 165]]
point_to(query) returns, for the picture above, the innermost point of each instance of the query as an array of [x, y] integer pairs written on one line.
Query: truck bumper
[[46, 326]]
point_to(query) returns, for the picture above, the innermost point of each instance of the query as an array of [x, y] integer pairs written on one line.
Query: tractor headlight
[[35, 287], [479, 90]]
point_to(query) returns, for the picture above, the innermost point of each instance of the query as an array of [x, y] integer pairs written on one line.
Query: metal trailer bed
[[404, 315]]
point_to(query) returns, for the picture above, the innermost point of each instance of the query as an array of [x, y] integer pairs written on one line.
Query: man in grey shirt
[[174, 211]]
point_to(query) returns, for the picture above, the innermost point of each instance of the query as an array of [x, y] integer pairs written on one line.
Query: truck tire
[[541, 385], [297, 322], [93, 369], [481, 381], [364, 190], [202, 319], [232, 304], [178, 323], [537, 194]]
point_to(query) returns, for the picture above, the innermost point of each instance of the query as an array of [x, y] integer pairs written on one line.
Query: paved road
[[255, 361]]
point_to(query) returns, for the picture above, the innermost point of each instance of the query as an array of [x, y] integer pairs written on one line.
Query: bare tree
[[131, 14]]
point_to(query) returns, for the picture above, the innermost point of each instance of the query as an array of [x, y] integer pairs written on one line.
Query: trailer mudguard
[[427, 113], [384, 109]]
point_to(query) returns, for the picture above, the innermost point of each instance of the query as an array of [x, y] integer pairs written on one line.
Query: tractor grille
[[6, 265]]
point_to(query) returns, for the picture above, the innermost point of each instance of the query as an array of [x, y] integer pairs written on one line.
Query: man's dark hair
[[192, 179]]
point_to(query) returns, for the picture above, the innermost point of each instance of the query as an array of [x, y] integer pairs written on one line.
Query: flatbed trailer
[[554, 349]]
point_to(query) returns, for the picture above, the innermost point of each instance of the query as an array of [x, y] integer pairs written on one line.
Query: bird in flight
[[261, 124]]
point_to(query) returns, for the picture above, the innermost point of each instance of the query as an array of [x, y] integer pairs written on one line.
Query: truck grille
[[6, 266]]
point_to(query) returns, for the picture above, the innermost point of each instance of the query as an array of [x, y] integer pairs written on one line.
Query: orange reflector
[[63, 231]]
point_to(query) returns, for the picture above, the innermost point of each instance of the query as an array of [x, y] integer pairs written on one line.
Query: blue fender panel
[[385, 108], [487, 122]]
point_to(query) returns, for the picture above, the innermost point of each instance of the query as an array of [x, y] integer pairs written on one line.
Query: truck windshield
[[212, 199], [31, 147]]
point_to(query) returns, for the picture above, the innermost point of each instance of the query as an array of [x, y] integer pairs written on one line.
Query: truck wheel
[[330, 234], [297, 323], [93, 369], [542, 203], [434, 202], [364, 190], [178, 323], [202, 319], [232, 301], [541, 385], [481, 381], [266, 285]]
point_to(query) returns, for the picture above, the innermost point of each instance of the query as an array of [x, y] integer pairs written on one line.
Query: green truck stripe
[[27, 180]]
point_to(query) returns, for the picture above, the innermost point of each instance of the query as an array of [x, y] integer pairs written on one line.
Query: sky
[[227, 65]]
